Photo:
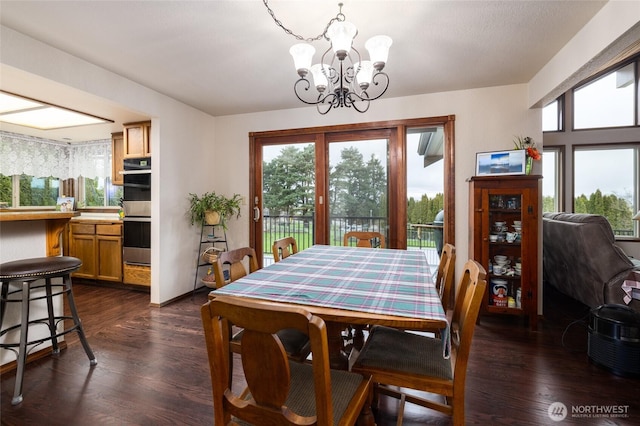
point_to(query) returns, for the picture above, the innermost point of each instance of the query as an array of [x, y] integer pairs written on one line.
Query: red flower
[[533, 153], [528, 145]]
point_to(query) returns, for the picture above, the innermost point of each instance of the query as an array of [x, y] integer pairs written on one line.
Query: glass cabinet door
[[505, 233]]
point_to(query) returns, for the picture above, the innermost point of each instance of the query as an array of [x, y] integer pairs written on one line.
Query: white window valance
[[21, 154]]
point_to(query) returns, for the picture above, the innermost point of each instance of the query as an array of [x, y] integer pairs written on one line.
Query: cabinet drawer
[[83, 228], [109, 229]]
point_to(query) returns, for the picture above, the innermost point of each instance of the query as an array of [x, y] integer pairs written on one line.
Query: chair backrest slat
[[364, 239], [283, 248]]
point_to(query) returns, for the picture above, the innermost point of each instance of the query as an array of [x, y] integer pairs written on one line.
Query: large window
[[37, 168], [600, 173]]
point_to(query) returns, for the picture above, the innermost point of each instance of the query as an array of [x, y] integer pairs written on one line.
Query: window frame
[[602, 137]]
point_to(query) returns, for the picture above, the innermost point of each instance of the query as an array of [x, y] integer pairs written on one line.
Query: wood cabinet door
[[109, 249], [136, 140], [83, 246], [117, 157]]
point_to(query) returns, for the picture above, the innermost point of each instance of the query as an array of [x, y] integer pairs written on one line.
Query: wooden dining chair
[[283, 248], [233, 261], [398, 358], [444, 277], [278, 391], [365, 239], [296, 344]]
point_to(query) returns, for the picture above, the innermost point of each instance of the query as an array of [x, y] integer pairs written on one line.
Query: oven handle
[[135, 172], [136, 219]]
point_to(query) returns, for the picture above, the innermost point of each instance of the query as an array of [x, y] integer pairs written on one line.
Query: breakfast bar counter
[[54, 223], [23, 235]]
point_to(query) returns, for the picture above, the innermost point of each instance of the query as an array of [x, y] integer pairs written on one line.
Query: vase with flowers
[[531, 152]]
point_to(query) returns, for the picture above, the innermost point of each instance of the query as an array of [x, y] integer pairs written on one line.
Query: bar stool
[[28, 271]]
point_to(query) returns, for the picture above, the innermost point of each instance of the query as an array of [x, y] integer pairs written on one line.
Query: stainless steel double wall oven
[[137, 211]]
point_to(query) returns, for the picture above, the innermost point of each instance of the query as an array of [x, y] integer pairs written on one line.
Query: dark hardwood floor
[[152, 370]]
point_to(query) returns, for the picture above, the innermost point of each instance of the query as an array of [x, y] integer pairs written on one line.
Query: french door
[[317, 184]]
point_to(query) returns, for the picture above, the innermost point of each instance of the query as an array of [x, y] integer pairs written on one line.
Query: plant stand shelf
[[210, 236]]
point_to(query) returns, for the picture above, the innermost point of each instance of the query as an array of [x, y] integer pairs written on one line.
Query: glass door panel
[[288, 196], [358, 188], [425, 191]]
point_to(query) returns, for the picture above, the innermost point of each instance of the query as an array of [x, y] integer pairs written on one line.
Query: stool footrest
[[42, 321]]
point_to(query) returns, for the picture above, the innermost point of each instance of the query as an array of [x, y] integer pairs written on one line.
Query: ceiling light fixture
[[16, 109], [342, 78]]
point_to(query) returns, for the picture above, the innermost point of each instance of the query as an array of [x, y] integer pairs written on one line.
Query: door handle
[[256, 214]]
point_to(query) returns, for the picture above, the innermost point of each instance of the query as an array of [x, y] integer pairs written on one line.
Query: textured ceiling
[[229, 57]]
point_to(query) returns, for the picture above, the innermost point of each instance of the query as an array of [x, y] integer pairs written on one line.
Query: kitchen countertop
[[8, 216], [98, 217]]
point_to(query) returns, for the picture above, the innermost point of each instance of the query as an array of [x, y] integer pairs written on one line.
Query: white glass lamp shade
[[302, 55], [637, 216], [378, 48], [319, 76], [364, 73], [341, 34]]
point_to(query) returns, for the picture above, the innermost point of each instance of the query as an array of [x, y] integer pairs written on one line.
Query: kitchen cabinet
[[137, 274], [504, 222], [99, 246], [136, 142], [117, 158]]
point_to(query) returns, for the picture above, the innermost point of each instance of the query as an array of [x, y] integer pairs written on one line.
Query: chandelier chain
[[338, 17]]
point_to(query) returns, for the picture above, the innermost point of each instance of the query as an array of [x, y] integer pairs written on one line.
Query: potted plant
[[203, 208]]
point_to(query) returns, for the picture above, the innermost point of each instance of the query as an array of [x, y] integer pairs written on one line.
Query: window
[[43, 191], [611, 192], [552, 182], [608, 101], [552, 117], [99, 192], [601, 151], [59, 171], [6, 190]]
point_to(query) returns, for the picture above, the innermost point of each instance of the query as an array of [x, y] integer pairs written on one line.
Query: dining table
[[350, 286]]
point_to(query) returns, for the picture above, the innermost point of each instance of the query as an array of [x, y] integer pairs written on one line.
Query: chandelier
[[342, 78]]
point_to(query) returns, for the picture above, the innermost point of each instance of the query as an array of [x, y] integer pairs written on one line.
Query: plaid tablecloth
[[380, 281]]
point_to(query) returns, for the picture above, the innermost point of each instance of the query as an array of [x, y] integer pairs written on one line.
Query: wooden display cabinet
[[136, 141], [507, 199]]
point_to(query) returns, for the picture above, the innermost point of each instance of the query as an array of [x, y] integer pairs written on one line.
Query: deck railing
[[419, 237]]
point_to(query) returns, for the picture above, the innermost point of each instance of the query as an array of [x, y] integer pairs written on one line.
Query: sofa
[[581, 259]]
